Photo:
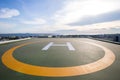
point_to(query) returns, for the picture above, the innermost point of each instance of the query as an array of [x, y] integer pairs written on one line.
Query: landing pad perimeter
[[59, 58]]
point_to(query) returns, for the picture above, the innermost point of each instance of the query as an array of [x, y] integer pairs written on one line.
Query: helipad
[[57, 58]]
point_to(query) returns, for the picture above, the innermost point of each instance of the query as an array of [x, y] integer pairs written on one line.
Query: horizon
[[60, 16], [64, 33]]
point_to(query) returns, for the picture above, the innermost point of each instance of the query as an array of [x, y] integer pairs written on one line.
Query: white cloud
[[35, 21], [75, 10], [8, 13], [6, 25], [100, 28]]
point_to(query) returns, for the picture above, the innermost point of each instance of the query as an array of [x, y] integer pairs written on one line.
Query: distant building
[[50, 36]]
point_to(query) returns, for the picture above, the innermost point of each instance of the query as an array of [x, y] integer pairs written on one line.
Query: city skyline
[[60, 16]]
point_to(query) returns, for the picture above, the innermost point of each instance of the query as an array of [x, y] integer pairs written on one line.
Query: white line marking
[[3, 42], [70, 47], [47, 46], [68, 44]]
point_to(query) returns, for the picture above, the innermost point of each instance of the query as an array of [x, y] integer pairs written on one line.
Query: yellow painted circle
[[9, 61]]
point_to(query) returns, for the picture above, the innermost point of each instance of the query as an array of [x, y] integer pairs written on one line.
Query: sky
[[60, 16]]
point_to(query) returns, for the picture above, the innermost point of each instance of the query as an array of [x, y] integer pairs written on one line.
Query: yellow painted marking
[[9, 61]]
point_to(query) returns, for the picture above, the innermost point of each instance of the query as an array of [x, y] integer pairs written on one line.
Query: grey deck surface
[[61, 56]]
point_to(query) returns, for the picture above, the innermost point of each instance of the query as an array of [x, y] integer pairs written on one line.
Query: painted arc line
[[70, 47], [9, 61], [47, 46]]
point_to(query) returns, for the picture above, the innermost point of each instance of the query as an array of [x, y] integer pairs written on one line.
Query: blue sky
[[60, 16]]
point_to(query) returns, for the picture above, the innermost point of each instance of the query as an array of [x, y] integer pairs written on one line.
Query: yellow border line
[[9, 61]]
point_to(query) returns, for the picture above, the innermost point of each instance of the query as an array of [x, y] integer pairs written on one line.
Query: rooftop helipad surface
[[59, 59]]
